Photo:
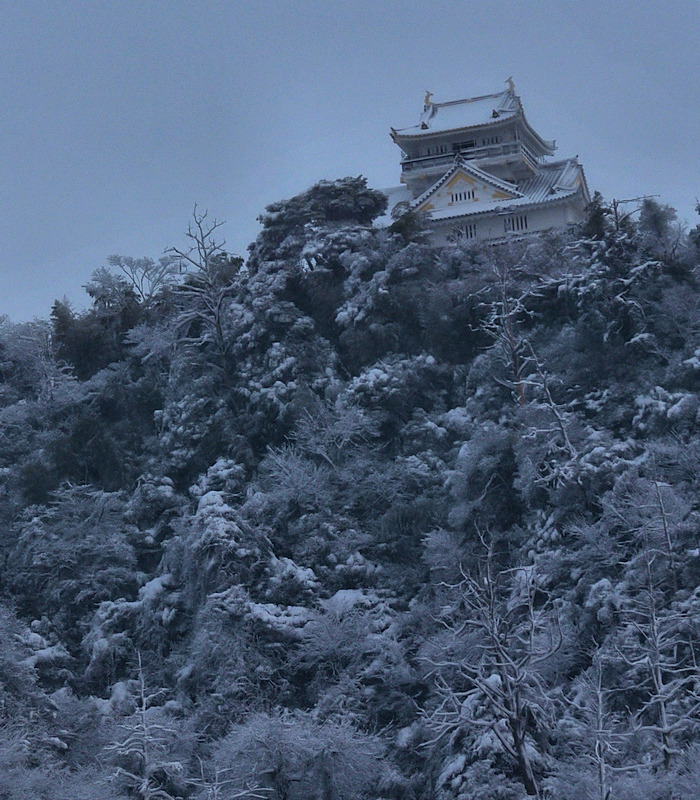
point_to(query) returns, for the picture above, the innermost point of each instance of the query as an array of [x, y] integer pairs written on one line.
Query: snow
[[489, 205], [685, 408], [395, 195], [378, 610], [694, 361], [452, 769], [468, 113], [288, 620], [48, 655], [355, 566], [493, 681], [345, 600], [661, 406], [284, 570], [224, 474], [407, 737], [210, 500], [54, 741], [151, 590], [456, 421]]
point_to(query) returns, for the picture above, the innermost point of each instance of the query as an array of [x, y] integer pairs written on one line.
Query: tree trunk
[[527, 776]]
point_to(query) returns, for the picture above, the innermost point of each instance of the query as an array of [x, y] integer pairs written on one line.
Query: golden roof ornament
[[511, 85]]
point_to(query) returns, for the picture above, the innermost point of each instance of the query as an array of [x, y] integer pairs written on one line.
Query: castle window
[[457, 146], [467, 231], [491, 140], [516, 223], [459, 197]]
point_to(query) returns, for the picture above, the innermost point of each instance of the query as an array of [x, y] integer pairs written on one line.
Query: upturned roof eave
[[584, 183], [547, 144]]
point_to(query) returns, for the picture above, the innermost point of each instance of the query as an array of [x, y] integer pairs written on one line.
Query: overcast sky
[[118, 116]]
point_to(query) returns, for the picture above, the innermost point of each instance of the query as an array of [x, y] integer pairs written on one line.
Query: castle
[[477, 170]]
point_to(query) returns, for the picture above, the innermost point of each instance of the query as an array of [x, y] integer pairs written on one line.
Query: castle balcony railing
[[470, 153]]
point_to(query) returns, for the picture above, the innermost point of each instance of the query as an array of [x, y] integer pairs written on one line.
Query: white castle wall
[[491, 226]]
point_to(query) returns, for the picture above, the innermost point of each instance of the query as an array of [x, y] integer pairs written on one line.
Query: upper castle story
[[491, 130]]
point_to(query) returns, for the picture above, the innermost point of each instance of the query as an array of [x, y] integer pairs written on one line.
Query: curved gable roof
[[554, 183], [468, 168]]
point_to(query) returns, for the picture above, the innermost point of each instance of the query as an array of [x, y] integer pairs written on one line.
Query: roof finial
[[427, 102], [511, 85]]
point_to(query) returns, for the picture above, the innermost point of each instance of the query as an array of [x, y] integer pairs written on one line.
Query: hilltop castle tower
[[478, 170]]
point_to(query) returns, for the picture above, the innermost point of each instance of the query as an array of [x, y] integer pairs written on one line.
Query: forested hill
[[358, 518]]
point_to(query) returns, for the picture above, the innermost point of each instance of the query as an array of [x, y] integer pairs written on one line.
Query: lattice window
[[515, 223], [467, 231], [460, 197]]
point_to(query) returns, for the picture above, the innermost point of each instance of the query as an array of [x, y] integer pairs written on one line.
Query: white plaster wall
[[492, 226]]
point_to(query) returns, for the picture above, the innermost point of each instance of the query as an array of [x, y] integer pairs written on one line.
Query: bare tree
[[541, 381], [218, 786], [145, 276], [658, 649], [502, 325], [293, 757], [28, 356], [143, 749], [549, 426], [604, 745], [208, 285], [505, 630], [603, 741], [330, 433]]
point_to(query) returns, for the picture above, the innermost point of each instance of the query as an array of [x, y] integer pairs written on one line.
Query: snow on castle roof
[[468, 113], [395, 195], [471, 112]]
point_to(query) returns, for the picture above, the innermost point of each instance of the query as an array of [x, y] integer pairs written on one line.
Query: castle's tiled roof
[[556, 179], [395, 195], [469, 113]]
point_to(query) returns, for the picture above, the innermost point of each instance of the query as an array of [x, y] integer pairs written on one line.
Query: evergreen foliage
[[359, 518]]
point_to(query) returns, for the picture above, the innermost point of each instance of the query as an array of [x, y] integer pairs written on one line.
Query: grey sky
[[118, 116]]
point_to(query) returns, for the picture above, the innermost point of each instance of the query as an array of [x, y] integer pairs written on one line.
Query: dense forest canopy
[[357, 517]]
